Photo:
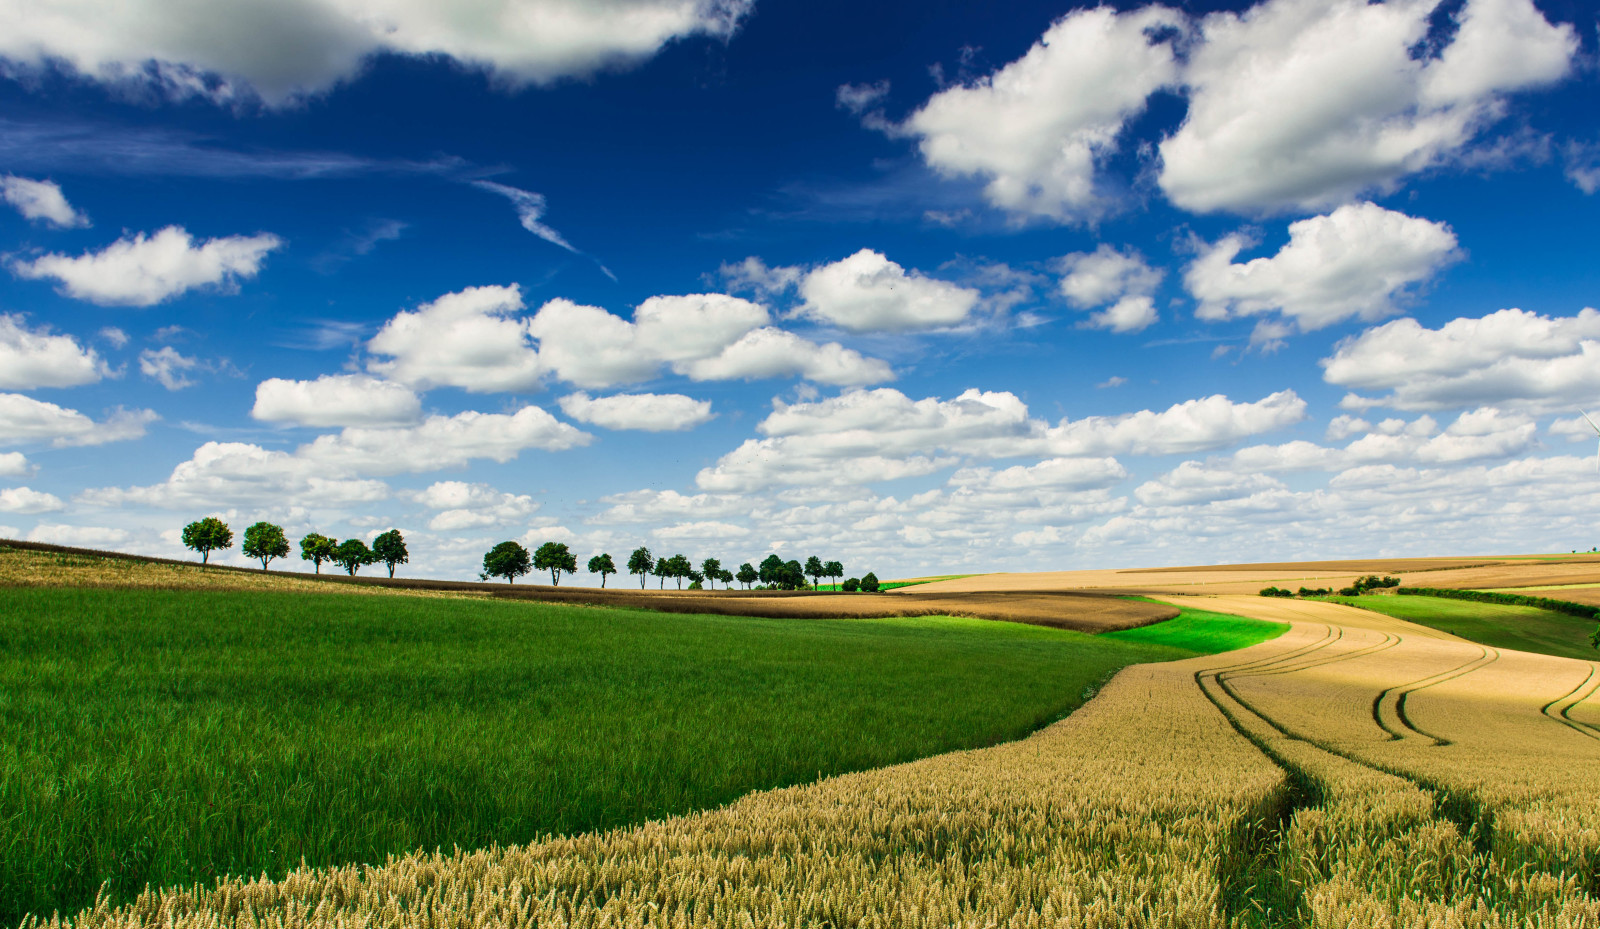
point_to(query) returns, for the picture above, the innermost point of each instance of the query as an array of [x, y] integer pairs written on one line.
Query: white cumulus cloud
[[41, 200], [167, 366], [27, 500], [1303, 104], [141, 270], [769, 352], [645, 412], [282, 50], [472, 506], [31, 358], [1037, 129], [472, 339], [14, 464], [442, 442], [1509, 357], [1354, 262], [221, 474], [25, 420], [867, 292], [336, 400], [101, 537]]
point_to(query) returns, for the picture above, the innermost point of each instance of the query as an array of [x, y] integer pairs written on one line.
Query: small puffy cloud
[[1108, 276], [115, 336], [701, 531], [31, 358], [753, 275], [1051, 474], [1354, 262], [867, 292], [1190, 426], [221, 474], [472, 339], [1090, 279], [1510, 356], [41, 200], [14, 464], [1303, 104], [24, 420], [472, 506], [1190, 483], [280, 52], [655, 505], [26, 500], [336, 400], [167, 366], [100, 537], [1038, 128], [141, 270], [1576, 429], [1130, 314], [1344, 426], [701, 336], [646, 412], [442, 442], [768, 352]]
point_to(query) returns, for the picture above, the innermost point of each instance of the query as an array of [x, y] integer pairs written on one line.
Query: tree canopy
[[602, 565], [814, 570], [206, 536], [712, 569], [264, 542], [508, 560], [352, 555], [317, 548], [748, 574], [640, 563], [390, 548], [555, 557]]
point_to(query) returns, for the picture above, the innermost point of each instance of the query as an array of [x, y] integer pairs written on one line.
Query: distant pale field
[[1473, 572]]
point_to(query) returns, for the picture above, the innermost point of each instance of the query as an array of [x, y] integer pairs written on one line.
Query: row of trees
[[511, 560], [266, 542]]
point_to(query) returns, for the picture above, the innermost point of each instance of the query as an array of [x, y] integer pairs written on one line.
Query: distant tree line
[[266, 542], [510, 560]]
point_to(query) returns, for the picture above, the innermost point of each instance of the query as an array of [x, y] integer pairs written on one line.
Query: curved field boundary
[[1572, 698]]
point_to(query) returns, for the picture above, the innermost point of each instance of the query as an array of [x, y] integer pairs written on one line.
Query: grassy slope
[[1202, 633], [1525, 628], [165, 737]]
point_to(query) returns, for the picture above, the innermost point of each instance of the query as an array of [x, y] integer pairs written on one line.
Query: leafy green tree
[[771, 570], [681, 568], [206, 536], [869, 583], [352, 555], [265, 541], [697, 580], [712, 569], [747, 575], [834, 570], [555, 557], [390, 548], [725, 576], [663, 570], [602, 565], [814, 570], [317, 548], [794, 576], [508, 560], [640, 563], [851, 586]]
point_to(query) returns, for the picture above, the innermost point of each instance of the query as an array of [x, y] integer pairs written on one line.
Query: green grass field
[[169, 737], [1202, 633], [1524, 628]]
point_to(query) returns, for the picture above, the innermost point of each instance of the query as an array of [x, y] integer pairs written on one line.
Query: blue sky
[[925, 288]]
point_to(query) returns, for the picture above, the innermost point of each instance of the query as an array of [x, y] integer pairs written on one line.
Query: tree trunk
[[205, 556], [602, 580], [391, 572]]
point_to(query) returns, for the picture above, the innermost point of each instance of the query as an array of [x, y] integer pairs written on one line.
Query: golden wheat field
[[1356, 771]]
